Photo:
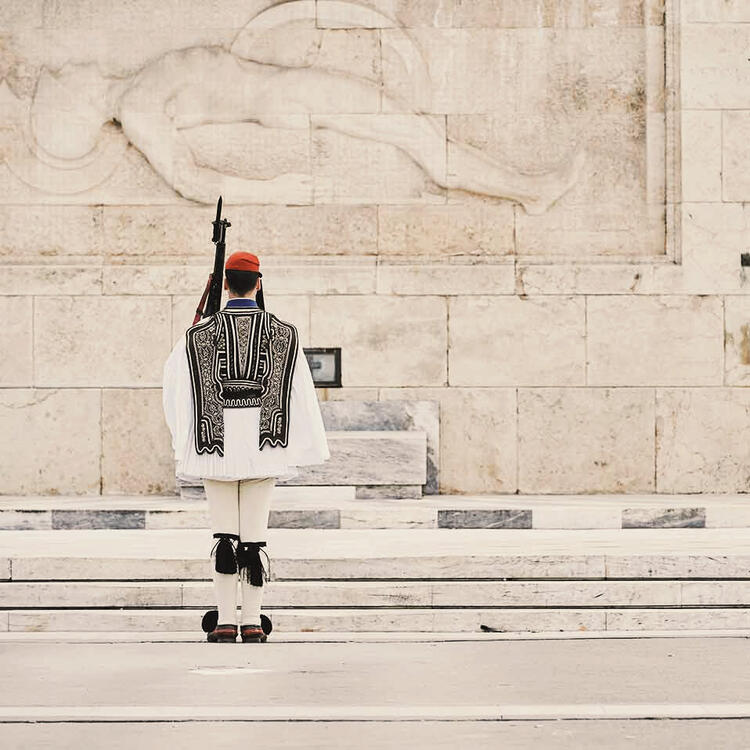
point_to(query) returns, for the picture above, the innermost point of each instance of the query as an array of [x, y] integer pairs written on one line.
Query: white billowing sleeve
[[307, 436], [177, 396]]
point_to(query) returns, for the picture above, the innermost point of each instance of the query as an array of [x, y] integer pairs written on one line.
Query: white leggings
[[239, 507]]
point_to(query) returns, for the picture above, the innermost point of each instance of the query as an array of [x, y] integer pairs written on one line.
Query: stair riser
[[460, 620], [367, 594], [442, 567]]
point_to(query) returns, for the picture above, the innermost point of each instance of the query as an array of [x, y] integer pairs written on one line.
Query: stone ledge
[[342, 507]]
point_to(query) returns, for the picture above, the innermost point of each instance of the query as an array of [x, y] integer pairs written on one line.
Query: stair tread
[[363, 544]]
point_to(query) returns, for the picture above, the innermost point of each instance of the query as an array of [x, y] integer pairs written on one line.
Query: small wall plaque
[[325, 366]]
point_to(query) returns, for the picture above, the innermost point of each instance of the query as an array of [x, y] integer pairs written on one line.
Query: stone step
[[386, 619], [327, 507], [400, 594], [396, 554]]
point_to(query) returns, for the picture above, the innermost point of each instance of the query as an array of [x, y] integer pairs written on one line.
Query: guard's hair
[[241, 282]]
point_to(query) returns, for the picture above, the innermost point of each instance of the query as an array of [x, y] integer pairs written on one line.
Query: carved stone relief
[[337, 101]]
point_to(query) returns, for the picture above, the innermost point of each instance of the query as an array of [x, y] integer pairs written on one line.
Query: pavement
[[463, 693]]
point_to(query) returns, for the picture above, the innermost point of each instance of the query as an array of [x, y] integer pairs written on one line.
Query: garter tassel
[[248, 557]]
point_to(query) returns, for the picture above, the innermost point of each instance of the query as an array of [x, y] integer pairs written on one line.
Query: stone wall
[[531, 212]]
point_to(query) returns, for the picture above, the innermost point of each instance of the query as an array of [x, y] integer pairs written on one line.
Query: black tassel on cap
[[226, 559], [248, 557]]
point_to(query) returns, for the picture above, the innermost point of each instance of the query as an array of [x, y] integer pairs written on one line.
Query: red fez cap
[[242, 261]]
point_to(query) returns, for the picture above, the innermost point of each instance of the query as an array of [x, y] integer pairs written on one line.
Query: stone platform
[[339, 507], [428, 580]]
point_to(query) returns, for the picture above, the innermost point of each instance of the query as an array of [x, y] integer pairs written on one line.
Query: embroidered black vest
[[237, 358]]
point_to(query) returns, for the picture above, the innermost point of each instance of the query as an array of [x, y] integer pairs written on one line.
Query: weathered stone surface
[[105, 595], [109, 16], [532, 67], [714, 11], [21, 14], [713, 236], [714, 71], [347, 394], [715, 592], [158, 232], [699, 445], [399, 343], [737, 340], [585, 440], [735, 156], [555, 593], [40, 234], [516, 341], [40, 457], [349, 169], [677, 566], [478, 436], [159, 280], [423, 416], [617, 165], [23, 279], [436, 278], [100, 341], [16, 367], [701, 137], [541, 13], [386, 14], [137, 453], [660, 340], [466, 228], [25, 519], [679, 619], [387, 457], [252, 151]]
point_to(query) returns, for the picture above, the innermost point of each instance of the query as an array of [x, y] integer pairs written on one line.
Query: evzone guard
[[240, 403]]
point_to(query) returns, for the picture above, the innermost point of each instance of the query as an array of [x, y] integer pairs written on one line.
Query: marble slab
[[554, 593], [421, 415], [452, 566], [484, 519], [400, 491], [713, 593], [383, 457], [677, 566], [25, 519], [678, 619], [98, 519], [108, 568], [663, 518], [304, 519], [86, 594]]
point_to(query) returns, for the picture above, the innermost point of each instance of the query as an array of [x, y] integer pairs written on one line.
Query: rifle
[[211, 297]]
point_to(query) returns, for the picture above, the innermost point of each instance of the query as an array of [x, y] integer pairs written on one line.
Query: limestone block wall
[[529, 212]]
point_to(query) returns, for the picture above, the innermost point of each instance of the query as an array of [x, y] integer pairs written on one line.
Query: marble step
[[296, 594], [328, 507], [386, 619], [398, 554], [562, 566]]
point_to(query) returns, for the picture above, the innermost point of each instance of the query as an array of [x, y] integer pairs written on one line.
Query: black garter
[[226, 557]]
